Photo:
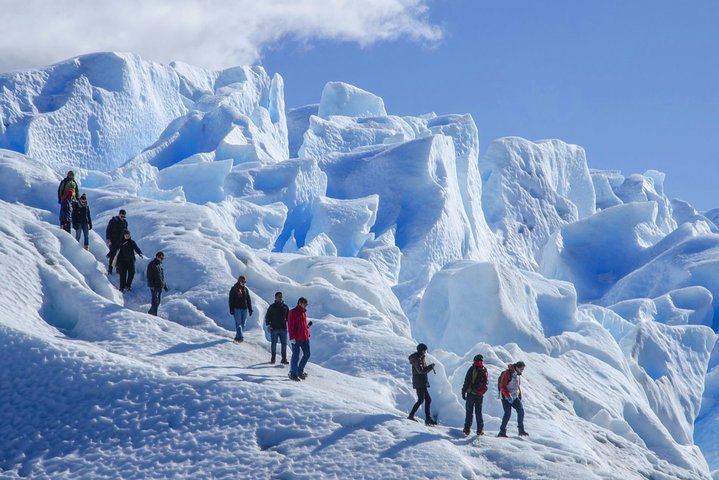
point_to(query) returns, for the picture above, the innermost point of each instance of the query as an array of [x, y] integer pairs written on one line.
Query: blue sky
[[633, 82]]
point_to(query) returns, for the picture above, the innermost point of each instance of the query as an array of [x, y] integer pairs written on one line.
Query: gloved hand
[[464, 395], [165, 288], [250, 313], [292, 341], [310, 323], [75, 226]]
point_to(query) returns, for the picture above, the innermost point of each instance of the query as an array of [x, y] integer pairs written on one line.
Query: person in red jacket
[[299, 332], [510, 387]]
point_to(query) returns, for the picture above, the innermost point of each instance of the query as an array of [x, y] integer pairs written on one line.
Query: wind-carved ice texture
[[604, 286]]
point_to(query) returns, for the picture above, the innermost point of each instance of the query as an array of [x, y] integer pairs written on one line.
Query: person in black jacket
[[420, 383], [240, 306], [114, 236], [473, 390], [276, 320], [156, 281], [126, 261], [82, 220]]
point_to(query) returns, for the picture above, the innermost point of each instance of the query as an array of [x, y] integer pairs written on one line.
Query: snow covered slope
[[380, 222]]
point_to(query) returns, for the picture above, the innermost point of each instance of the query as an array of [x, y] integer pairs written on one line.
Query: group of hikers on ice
[[75, 213], [476, 384], [280, 320]]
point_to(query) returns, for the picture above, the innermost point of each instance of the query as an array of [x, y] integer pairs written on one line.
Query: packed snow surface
[[397, 233]]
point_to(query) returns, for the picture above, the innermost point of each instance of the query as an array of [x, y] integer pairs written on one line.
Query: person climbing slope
[[420, 383]]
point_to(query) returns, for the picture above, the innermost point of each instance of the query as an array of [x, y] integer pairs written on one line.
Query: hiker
[[299, 331], [66, 209], [510, 388], [240, 306], [473, 390], [114, 236], [125, 260], [156, 281], [420, 383], [82, 221], [276, 321], [68, 183]]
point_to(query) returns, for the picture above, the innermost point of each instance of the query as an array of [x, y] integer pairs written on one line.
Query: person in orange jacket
[[510, 387], [299, 331]]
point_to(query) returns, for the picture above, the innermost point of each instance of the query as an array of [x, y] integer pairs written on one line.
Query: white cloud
[[209, 33]]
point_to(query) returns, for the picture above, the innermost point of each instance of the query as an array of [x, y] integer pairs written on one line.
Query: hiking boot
[[272, 360], [239, 340], [466, 432], [430, 421], [284, 361], [502, 434], [523, 433], [295, 378], [303, 375], [87, 247], [411, 417], [480, 432]]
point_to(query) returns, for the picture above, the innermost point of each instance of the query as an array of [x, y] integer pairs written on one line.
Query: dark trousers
[[156, 297], [127, 273], [281, 335], [517, 405], [422, 396], [473, 405], [297, 366]]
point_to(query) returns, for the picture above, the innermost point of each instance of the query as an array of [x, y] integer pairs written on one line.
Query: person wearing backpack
[[510, 389], [420, 383], [82, 220], [473, 390]]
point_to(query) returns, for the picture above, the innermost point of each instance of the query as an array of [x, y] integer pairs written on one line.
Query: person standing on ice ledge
[[126, 261], [240, 307], [510, 388], [299, 331], [82, 220], [66, 210], [473, 390], [156, 281], [113, 237], [276, 321], [420, 383]]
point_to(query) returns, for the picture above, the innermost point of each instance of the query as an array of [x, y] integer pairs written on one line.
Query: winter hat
[[479, 358], [70, 173], [421, 347], [83, 198], [126, 232]]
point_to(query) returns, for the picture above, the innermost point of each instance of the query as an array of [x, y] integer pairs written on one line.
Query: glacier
[[395, 230]]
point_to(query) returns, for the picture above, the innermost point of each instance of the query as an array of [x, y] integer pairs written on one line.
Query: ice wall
[[94, 111], [531, 190]]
